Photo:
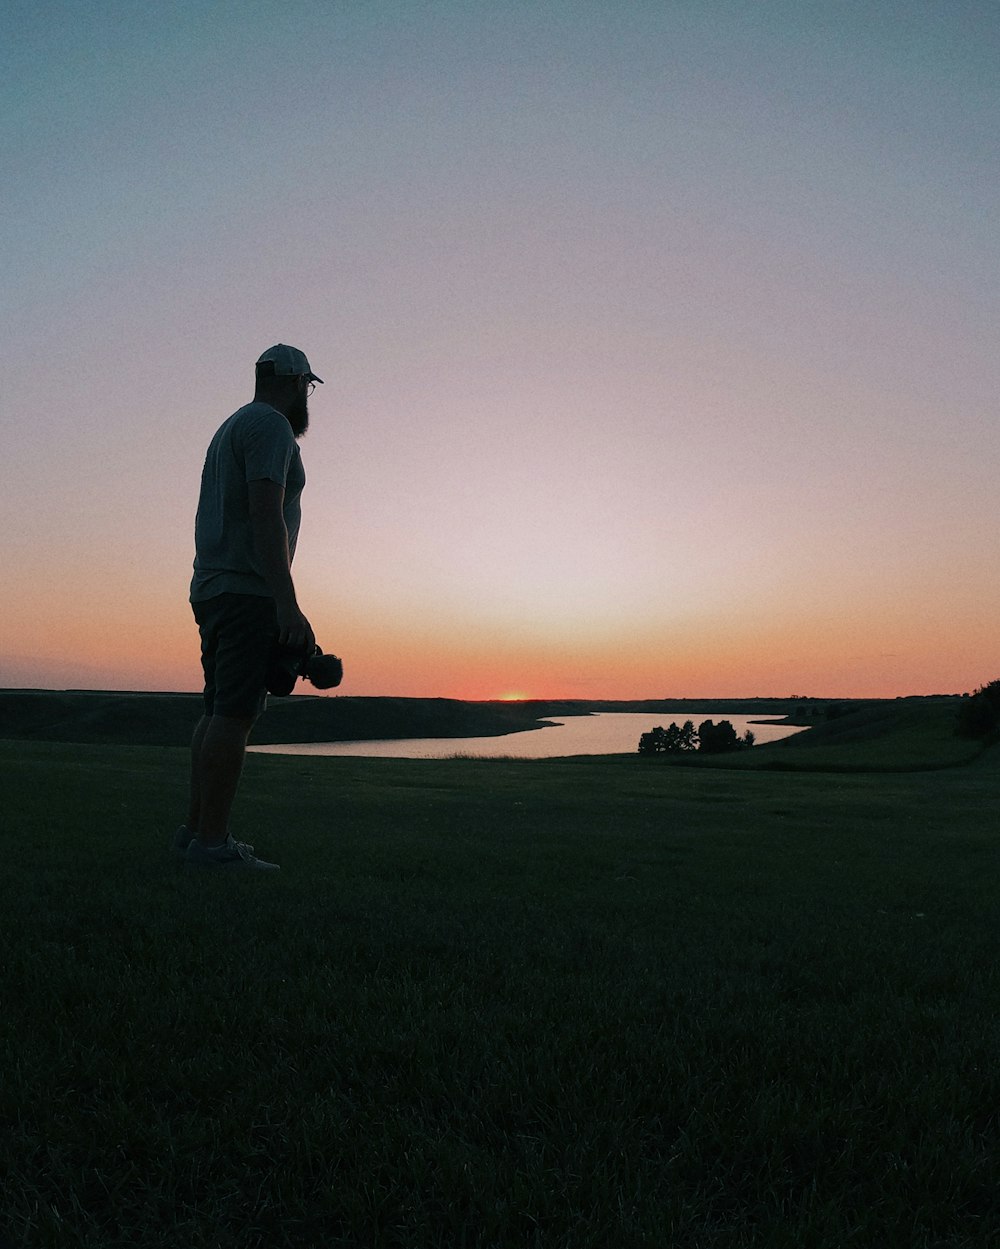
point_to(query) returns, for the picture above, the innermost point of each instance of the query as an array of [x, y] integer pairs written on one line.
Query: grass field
[[889, 737], [565, 1004]]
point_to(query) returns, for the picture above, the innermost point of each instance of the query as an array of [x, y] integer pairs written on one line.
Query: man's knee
[[233, 726]]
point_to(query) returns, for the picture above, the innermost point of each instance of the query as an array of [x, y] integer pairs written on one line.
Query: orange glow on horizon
[[893, 643], [615, 413]]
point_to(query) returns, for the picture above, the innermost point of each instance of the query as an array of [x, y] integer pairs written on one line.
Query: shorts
[[238, 632]]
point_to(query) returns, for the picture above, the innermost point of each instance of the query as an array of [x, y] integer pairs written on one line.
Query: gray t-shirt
[[255, 444]]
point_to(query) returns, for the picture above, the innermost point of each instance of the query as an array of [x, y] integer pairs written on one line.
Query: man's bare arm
[[270, 540]]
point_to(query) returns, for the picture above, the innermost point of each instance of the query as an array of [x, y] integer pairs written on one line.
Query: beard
[[298, 415]]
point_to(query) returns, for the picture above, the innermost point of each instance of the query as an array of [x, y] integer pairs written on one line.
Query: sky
[[658, 339]]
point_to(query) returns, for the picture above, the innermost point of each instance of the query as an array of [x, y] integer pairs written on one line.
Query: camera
[[325, 672]]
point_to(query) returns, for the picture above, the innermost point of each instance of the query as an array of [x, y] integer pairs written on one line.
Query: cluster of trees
[[979, 716], [712, 739]]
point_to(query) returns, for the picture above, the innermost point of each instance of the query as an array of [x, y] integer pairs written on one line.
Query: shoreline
[[168, 719]]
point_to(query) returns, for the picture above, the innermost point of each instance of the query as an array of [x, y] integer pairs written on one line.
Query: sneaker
[[183, 838], [233, 854]]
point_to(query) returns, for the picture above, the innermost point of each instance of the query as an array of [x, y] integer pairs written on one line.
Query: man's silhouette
[[242, 592]]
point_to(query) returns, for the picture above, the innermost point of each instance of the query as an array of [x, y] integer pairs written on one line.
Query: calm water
[[607, 733]]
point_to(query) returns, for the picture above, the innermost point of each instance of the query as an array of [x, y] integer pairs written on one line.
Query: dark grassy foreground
[[904, 736], [563, 1004]]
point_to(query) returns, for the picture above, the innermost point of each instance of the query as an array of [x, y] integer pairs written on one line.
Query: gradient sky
[[659, 338]]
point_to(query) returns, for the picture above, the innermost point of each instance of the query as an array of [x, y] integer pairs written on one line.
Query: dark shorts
[[237, 634]]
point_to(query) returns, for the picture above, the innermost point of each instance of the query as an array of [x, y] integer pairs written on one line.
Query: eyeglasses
[[310, 386]]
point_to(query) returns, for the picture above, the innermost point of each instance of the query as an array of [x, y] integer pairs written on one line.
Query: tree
[[667, 740], [717, 739], [653, 742], [979, 716], [709, 737]]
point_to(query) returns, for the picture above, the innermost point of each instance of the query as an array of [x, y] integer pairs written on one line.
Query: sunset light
[[500, 623], [658, 341]]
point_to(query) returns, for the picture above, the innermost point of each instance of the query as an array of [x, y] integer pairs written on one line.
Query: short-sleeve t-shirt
[[255, 444]]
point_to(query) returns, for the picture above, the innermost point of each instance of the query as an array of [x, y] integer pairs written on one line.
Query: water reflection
[[606, 733]]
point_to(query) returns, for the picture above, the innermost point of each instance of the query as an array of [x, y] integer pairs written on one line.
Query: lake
[[606, 733]]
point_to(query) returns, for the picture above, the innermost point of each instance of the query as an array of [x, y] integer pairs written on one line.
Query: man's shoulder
[[256, 413], [258, 420]]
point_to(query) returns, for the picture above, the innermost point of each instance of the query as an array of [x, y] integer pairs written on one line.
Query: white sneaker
[[180, 841], [231, 854]]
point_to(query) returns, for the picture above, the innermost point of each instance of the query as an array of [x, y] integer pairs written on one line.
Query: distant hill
[[903, 735], [94, 716], [102, 716], [168, 719]]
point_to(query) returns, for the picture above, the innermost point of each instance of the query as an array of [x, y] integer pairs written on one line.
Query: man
[[242, 592]]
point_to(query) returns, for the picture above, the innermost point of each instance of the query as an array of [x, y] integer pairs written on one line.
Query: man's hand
[[294, 631]]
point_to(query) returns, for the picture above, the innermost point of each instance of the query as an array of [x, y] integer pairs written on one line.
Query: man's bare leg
[[215, 773], [194, 810]]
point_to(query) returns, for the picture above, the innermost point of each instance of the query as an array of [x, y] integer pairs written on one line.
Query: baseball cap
[[289, 362]]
